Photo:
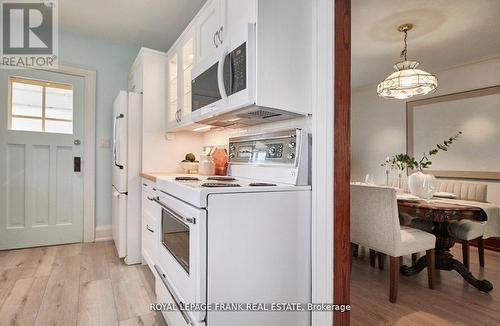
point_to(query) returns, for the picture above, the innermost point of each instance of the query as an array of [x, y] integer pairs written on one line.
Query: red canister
[[220, 158]]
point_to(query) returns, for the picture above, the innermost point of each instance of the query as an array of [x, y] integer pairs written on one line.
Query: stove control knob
[[291, 144], [232, 147], [231, 155], [272, 150], [290, 156]]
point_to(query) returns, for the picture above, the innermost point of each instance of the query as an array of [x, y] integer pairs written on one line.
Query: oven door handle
[[178, 303], [190, 220]]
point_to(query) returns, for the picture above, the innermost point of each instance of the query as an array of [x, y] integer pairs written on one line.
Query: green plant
[[189, 158], [402, 161]]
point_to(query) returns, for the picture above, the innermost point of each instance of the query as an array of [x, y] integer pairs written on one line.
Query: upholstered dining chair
[[375, 224], [467, 230]]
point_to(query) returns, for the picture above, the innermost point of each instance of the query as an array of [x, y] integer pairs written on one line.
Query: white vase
[[207, 166], [422, 185]]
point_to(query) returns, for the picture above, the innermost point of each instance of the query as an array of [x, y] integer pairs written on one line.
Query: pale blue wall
[[112, 62]]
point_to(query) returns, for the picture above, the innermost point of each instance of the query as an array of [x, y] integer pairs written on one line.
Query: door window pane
[[40, 106], [27, 99], [26, 124], [59, 127], [59, 103]]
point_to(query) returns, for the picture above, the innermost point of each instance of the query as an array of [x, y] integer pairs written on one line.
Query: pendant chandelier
[[407, 81]]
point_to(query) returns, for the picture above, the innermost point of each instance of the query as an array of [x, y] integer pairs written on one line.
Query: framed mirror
[[476, 113]]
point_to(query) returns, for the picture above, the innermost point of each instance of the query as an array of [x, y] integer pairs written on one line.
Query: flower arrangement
[[402, 161]]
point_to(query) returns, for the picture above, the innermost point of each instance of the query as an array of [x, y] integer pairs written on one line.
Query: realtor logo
[[29, 34]]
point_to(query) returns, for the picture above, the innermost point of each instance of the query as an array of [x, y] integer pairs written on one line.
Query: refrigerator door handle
[[115, 126]]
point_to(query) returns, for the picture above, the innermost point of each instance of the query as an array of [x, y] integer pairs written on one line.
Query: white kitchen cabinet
[[238, 14], [150, 226], [135, 82], [172, 91], [148, 76], [219, 20], [180, 62], [209, 29]]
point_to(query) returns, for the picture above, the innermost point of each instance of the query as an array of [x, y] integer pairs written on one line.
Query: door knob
[[77, 142]]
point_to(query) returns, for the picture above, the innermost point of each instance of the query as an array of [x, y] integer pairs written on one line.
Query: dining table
[[439, 214]]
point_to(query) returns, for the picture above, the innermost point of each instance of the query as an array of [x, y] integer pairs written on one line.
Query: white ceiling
[[150, 23], [446, 33]]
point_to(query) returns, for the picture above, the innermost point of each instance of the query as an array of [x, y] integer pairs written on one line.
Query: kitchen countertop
[[153, 175]]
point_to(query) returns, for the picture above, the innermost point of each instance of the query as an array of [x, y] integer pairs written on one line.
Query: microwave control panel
[[238, 59]]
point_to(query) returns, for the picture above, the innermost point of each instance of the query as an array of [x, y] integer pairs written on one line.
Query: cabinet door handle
[[147, 227], [219, 34], [216, 35]]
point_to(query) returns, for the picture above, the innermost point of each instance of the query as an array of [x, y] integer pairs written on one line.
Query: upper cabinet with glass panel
[[40, 106], [187, 65], [181, 59]]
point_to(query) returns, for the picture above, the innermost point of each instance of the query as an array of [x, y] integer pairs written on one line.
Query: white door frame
[[322, 172], [89, 75]]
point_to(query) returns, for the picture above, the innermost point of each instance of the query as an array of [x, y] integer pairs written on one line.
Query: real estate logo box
[[29, 34]]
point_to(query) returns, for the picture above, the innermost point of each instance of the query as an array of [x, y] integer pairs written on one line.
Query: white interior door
[[41, 139]]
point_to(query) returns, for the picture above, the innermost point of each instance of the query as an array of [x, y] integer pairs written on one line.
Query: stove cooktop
[[220, 182], [194, 189]]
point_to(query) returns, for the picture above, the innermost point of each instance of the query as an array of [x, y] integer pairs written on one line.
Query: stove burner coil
[[186, 179], [219, 185], [261, 184], [221, 178]]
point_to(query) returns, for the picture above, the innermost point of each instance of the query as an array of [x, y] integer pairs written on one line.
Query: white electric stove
[[243, 238]]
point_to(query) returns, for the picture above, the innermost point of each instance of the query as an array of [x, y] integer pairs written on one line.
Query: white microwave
[[224, 87]]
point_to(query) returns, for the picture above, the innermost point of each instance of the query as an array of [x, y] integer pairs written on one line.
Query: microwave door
[[205, 90], [210, 84]]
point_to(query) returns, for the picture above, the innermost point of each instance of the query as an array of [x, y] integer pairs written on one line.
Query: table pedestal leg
[[450, 263], [445, 260]]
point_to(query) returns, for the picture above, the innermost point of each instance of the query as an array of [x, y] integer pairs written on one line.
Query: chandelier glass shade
[[407, 81]]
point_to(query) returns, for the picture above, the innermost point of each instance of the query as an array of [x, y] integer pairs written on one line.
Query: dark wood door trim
[[341, 158]]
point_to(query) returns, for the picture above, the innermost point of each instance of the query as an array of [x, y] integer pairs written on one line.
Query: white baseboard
[[103, 233]]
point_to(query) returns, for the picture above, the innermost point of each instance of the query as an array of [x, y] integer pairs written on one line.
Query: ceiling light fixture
[[407, 81]]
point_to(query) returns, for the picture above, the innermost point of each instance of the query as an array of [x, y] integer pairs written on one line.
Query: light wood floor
[[76, 284], [453, 302]]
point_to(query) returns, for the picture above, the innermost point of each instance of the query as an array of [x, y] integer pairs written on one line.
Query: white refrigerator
[[127, 157]]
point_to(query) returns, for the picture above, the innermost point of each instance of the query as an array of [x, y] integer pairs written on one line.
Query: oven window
[[176, 238]]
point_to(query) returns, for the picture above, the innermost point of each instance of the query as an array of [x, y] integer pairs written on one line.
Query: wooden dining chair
[[375, 225]]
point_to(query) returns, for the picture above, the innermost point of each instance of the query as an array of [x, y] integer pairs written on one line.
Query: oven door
[[182, 252], [210, 80]]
